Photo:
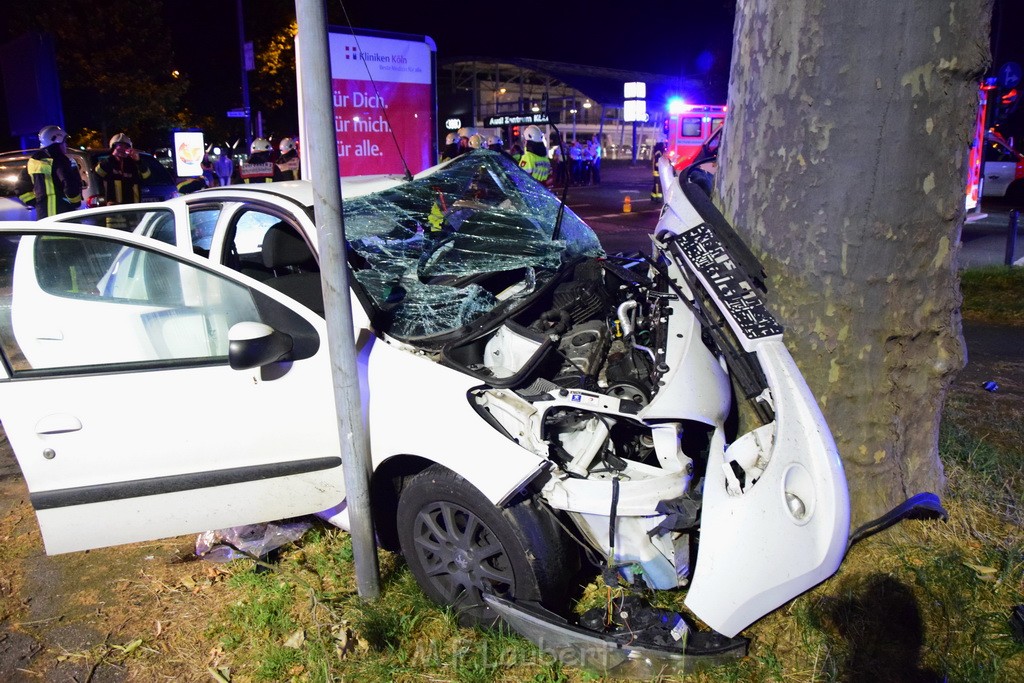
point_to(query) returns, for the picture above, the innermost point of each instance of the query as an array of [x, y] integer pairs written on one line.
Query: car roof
[[301, 191]]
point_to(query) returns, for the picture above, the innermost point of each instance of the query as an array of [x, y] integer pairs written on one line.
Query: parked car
[[1003, 169], [533, 404], [159, 186]]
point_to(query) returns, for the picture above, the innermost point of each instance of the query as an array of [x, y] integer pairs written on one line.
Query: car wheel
[[459, 546]]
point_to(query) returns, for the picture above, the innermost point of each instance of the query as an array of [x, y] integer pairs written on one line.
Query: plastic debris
[[252, 540], [990, 386]]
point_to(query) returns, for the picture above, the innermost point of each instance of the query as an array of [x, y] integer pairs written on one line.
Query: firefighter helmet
[[533, 134], [476, 141], [494, 140], [286, 145], [260, 145], [50, 135], [120, 139], [450, 138]]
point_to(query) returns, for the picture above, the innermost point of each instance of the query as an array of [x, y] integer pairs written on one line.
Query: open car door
[[121, 406]]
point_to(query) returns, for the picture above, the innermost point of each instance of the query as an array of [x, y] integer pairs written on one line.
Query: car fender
[[419, 407]]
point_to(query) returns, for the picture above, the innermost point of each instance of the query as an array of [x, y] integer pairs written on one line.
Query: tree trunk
[[844, 164]]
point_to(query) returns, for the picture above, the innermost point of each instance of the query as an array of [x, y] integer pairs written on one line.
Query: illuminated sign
[[384, 101], [635, 110], [634, 91], [634, 106], [189, 148], [524, 119], [452, 124]]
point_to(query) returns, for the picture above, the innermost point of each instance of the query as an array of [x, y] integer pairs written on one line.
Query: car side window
[[77, 303], [202, 223], [997, 152]]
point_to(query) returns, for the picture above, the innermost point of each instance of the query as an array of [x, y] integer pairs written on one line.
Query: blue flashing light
[[676, 105]]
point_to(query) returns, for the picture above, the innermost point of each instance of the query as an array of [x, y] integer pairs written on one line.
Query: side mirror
[[252, 345]]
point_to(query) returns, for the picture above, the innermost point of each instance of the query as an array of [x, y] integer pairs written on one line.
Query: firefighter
[[50, 180], [659, 149], [287, 165], [121, 174], [258, 168], [451, 147], [535, 158]]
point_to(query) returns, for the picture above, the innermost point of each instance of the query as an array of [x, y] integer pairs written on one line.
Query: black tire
[[459, 545]]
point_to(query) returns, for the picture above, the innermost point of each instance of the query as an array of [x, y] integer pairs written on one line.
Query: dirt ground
[[140, 612]]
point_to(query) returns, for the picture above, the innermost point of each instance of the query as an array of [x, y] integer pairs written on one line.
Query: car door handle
[[58, 423]]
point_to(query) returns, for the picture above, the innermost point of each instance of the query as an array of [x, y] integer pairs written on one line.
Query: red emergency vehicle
[[689, 126]]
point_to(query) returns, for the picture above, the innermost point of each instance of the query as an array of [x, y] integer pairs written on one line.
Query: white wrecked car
[[531, 402]]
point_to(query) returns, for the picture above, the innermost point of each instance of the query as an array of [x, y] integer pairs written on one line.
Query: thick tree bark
[[844, 164]]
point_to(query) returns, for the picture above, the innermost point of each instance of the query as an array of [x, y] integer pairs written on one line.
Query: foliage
[[114, 64]]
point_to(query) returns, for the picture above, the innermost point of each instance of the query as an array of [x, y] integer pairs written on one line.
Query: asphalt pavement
[[983, 238]]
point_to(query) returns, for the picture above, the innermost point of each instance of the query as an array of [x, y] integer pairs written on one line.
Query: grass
[[993, 295]]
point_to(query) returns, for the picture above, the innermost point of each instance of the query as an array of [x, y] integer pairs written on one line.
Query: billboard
[[188, 153], [384, 101]]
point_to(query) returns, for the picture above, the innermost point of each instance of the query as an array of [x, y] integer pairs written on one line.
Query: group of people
[[264, 166], [573, 163], [466, 140], [583, 165], [52, 182]]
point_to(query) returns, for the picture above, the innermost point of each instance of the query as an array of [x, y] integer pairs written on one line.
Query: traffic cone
[[627, 205]]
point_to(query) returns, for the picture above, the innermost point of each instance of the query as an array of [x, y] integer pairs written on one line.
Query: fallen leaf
[[981, 569], [296, 639]]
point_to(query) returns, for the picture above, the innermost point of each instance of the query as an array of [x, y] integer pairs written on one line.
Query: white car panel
[[103, 466]]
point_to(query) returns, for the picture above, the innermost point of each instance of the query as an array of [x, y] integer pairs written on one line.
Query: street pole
[[320, 145], [1011, 237], [245, 76]]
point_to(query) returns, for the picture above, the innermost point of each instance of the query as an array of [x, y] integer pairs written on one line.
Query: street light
[[573, 112]]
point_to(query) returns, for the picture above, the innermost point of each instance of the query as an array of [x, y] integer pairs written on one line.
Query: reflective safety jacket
[[122, 179], [536, 165], [51, 182], [257, 169]]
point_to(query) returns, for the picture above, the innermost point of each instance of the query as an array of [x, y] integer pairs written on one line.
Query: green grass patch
[[993, 295]]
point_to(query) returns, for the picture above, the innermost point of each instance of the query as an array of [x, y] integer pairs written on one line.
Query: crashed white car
[[533, 404]]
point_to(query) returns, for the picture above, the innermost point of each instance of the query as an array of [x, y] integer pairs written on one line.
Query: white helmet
[[450, 138], [533, 134], [286, 145], [494, 140], [51, 134], [476, 141], [120, 139], [260, 145]]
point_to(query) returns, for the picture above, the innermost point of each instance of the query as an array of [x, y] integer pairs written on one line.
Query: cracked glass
[[438, 252]]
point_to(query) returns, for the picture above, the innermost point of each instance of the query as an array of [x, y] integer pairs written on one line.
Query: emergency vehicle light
[[676, 105]]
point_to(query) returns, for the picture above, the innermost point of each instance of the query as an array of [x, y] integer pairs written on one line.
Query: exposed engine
[[571, 377]]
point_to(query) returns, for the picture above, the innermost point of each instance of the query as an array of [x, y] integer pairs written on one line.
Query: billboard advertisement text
[[383, 94]]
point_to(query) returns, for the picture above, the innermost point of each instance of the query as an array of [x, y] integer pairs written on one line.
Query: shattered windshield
[[438, 252]]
